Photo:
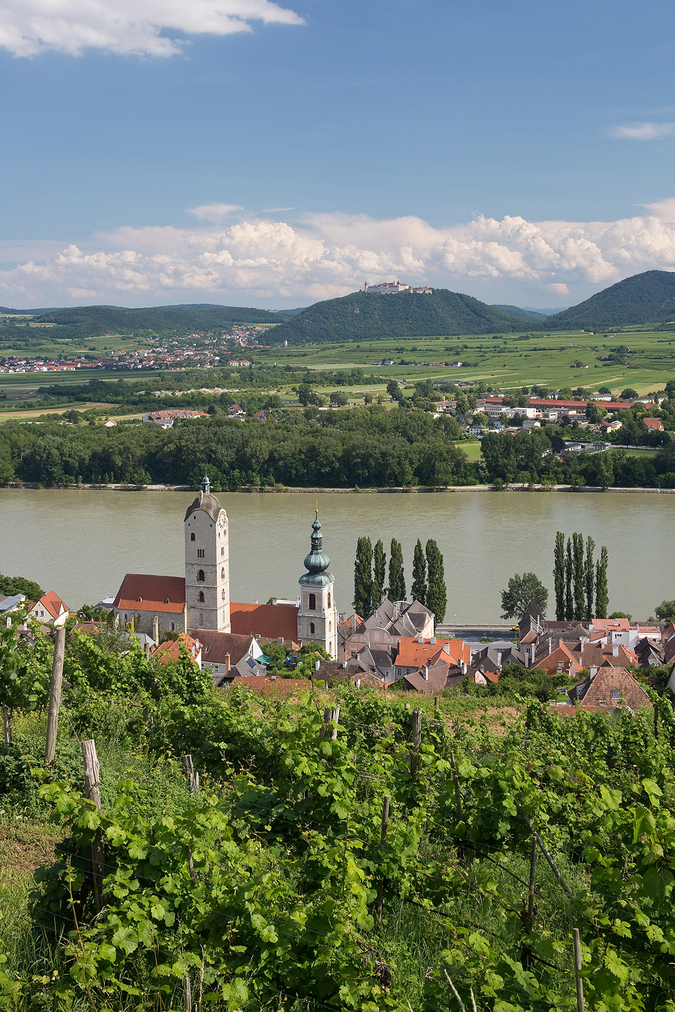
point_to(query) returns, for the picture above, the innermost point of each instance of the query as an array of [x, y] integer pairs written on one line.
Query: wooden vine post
[[528, 914], [577, 970], [92, 786], [331, 719], [55, 693], [193, 777], [416, 743], [383, 840]]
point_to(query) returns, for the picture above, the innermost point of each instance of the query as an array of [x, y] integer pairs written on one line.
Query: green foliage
[[601, 587], [91, 321], [363, 578], [10, 585], [396, 590], [437, 598], [559, 575], [665, 612], [579, 576], [520, 592], [418, 589], [379, 573]]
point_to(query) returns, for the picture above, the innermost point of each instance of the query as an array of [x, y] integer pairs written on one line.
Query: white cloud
[[213, 212], [30, 27], [331, 254], [644, 131]]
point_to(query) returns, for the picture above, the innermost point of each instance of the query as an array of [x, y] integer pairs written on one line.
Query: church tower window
[[201, 595], [192, 537], [200, 553], [200, 576], [312, 602], [311, 627]]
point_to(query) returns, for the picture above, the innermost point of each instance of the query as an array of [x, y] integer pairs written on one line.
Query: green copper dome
[[317, 562]]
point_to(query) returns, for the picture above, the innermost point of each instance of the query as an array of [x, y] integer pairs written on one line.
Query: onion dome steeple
[[317, 562]]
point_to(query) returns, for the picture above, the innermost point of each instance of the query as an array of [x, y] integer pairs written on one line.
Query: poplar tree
[[589, 575], [579, 577], [363, 579], [419, 575], [379, 574], [559, 576], [396, 591], [437, 597], [569, 571], [601, 592]]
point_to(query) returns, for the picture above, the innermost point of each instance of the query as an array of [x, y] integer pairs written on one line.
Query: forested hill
[[93, 321], [362, 316], [523, 314], [643, 298]]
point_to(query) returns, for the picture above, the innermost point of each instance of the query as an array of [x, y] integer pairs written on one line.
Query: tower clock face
[[222, 519]]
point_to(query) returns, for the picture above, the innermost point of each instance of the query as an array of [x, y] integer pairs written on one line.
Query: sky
[[243, 152]]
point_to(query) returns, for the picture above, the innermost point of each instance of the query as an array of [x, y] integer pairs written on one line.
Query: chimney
[[344, 664], [615, 650], [592, 671], [317, 665], [433, 641], [420, 640], [425, 672], [227, 664], [357, 683], [549, 646]]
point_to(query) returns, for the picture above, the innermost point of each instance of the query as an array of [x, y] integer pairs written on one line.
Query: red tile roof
[[270, 621], [605, 624], [140, 592], [412, 653], [170, 650], [52, 604]]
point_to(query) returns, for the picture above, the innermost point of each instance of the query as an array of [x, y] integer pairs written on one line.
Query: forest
[[363, 447], [343, 849]]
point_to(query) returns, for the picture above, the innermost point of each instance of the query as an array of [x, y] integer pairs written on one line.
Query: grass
[[474, 451]]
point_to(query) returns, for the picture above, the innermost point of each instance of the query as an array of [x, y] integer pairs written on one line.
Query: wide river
[[81, 543]]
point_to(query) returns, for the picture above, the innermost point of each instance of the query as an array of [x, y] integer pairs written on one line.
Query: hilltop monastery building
[[200, 601]]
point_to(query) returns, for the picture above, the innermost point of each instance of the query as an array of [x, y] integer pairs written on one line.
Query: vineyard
[[340, 850]]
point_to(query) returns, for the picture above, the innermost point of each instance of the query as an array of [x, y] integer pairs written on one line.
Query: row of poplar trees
[[580, 581], [370, 573]]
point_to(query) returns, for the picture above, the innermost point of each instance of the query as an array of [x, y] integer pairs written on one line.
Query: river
[[80, 543]]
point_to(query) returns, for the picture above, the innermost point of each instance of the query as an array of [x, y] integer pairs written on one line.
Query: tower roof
[[206, 501], [317, 562]]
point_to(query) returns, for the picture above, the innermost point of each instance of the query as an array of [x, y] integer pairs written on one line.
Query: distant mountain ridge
[[642, 298], [531, 315], [363, 316]]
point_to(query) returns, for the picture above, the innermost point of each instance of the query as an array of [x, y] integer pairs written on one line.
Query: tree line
[[364, 447], [428, 576]]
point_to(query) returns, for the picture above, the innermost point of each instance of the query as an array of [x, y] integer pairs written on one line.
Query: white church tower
[[318, 617], [207, 563]]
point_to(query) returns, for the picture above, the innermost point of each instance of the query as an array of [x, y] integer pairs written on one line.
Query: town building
[[49, 609], [199, 603], [394, 287]]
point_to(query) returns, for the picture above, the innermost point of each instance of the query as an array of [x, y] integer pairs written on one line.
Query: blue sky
[[521, 152]]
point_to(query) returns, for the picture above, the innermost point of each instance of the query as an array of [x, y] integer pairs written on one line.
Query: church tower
[[207, 563], [318, 617]]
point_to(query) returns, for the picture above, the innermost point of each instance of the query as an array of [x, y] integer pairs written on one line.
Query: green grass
[[474, 451], [510, 361]]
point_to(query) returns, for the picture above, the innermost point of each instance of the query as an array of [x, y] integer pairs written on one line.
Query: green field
[[506, 361]]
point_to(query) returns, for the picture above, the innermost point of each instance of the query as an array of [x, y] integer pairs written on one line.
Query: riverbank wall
[[315, 490]]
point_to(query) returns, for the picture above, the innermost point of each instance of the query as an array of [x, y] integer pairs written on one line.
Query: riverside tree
[[419, 575], [396, 590], [559, 576], [436, 594], [379, 573], [569, 571], [579, 576], [363, 579], [589, 576], [601, 591], [520, 591]]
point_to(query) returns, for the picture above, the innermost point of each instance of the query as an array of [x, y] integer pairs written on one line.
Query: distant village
[[397, 645]]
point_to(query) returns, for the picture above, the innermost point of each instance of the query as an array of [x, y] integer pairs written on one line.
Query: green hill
[[364, 316], [94, 321], [523, 314], [643, 298]]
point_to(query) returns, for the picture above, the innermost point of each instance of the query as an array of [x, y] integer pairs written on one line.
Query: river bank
[[317, 490]]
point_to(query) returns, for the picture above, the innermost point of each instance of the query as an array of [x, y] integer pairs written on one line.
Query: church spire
[[317, 561]]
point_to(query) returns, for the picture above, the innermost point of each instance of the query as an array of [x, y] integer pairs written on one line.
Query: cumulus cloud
[[644, 131], [328, 255], [30, 27]]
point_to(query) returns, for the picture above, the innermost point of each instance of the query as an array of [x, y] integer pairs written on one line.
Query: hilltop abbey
[[200, 602]]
